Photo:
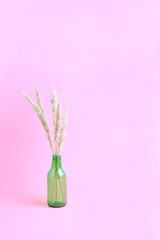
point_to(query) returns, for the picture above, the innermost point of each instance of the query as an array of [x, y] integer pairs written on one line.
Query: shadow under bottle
[[57, 186]]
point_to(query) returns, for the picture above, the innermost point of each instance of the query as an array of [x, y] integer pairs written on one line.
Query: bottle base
[[56, 204]]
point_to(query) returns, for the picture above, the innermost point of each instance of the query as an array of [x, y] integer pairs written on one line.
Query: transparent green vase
[[57, 187]]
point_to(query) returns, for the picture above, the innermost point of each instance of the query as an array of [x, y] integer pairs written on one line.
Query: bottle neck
[[56, 161]]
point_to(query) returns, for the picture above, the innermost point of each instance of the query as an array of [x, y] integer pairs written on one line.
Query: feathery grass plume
[[54, 110], [39, 99], [41, 117], [60, 144], [58, 117], [62, 130], [54, 106]]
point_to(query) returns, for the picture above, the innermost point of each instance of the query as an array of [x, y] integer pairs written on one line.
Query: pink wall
[[103, 58]]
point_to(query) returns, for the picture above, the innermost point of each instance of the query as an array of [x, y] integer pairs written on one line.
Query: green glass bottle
[[57, 188]]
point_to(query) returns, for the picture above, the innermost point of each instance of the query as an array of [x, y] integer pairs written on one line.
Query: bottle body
[[57, 185]]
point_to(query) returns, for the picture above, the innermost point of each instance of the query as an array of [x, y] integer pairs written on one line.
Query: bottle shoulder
[[53, 172]]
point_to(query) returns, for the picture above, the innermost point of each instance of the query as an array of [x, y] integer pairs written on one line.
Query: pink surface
[[103, 58]]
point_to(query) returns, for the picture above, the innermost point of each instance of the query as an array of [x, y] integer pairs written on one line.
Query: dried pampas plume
[[61, 141], [59, 133], [58, 117], [41, 117], [39, 99], [62, 134], [54, 106]]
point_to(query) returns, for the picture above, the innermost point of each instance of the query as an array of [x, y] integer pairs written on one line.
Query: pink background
[[103, 58]]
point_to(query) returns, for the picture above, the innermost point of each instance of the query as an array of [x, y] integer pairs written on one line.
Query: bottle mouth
[[56, 157]]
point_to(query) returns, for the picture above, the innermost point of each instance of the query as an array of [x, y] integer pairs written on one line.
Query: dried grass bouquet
[[59, 126]]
